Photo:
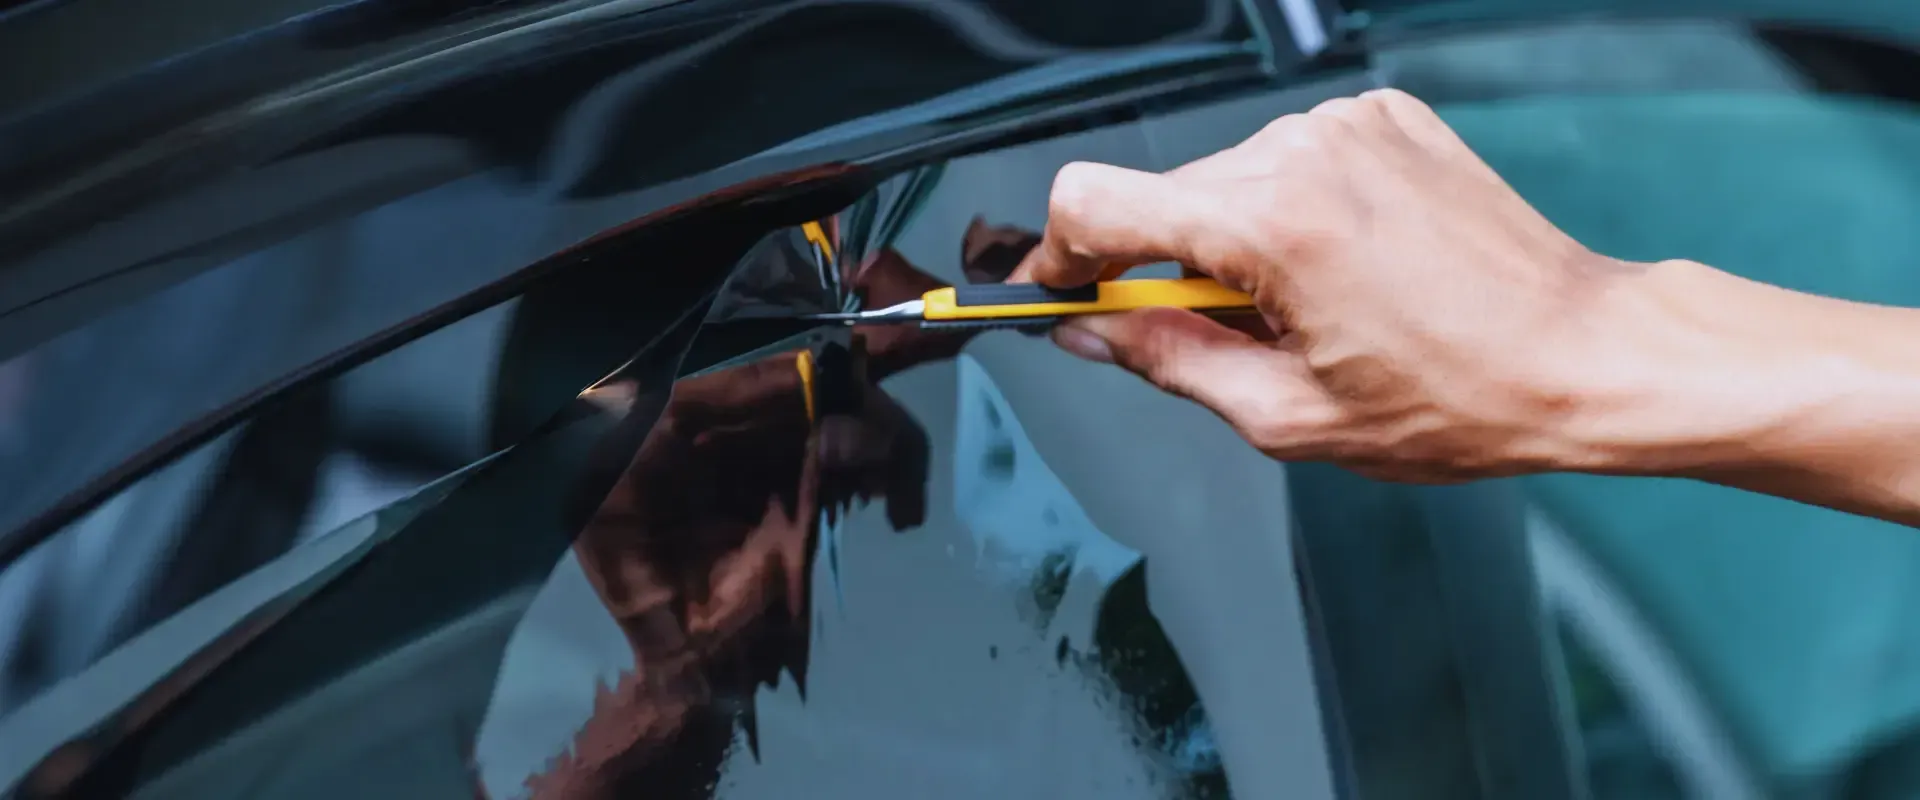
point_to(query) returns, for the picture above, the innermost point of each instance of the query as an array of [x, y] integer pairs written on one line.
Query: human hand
[[988, 254], [1432, 326]]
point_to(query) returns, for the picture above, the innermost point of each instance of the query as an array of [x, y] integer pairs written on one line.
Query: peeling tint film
[[896, 597], [714, 577]]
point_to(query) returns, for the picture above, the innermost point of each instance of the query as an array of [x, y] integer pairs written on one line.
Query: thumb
[[1253, 385]]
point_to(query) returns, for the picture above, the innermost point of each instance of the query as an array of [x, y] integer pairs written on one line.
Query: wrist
[[1715, 377], [1690, 375]]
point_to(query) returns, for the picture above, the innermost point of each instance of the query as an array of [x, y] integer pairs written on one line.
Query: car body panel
[[1056, 685], [1873, 18], [303, 179], [224, 218]]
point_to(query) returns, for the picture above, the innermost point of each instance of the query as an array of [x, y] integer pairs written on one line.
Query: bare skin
[[1434, 327]]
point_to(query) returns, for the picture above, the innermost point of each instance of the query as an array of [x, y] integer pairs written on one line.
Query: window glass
[[914, 593], [88, 401], [290, 473], [234, 619], [908, 561]]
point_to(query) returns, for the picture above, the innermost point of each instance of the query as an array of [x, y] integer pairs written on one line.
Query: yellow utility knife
[[1021, 305]]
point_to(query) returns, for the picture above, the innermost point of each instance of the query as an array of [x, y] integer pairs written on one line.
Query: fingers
[[1254, 326], [1245, 381], [1102, 220], [1374, 113]]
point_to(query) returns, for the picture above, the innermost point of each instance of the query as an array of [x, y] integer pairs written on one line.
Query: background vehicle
[[299, 306]]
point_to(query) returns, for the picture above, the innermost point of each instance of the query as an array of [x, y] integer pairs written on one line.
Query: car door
[[1099, 592], [411, 622], [996, 640]]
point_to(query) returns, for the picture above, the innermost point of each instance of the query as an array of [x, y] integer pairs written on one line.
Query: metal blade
[[910, 311]]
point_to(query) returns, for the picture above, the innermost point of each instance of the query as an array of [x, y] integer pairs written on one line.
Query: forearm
[[1761, 388]]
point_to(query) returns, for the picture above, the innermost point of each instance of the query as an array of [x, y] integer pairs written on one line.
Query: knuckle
[[1354, 113], [1395, 99], [1081, 250], [1154, 349], [1310, 135], [1072, 186], [1408, 112], [1274, 436], [1308, 241], [1278, 125], [1337, 107], [1292, 131]]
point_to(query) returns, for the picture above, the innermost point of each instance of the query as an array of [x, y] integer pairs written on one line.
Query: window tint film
[[291, 473], [759, 555], [227, 293]]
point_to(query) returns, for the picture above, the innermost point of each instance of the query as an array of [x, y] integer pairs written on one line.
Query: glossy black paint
[[232, 156], [482, 544], [493, 533], [252, 164]]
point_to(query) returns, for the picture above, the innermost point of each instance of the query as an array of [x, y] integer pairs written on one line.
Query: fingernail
[[1074, 338]]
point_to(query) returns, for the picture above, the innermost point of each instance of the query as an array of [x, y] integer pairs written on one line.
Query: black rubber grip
[[1021, 324], [1021, 294]]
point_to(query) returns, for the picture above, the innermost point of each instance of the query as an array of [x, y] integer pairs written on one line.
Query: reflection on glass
[[997, 642], [297, 469], [834, 560], [720, 558], [702, 554]]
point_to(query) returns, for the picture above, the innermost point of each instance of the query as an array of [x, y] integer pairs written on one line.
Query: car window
[[292, 472], [253, 563], [916, 565], [429, 188], [228, 298]]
